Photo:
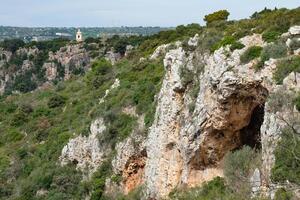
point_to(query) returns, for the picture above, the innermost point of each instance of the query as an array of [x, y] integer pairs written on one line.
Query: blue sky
[[78, 13]]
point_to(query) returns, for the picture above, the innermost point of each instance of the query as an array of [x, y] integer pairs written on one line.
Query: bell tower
[[79, 36]]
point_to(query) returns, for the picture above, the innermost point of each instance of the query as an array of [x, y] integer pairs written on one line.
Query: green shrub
[[270, 36], [275, 51], [238, 166], [4, 164], [12, 135], [12, 45], [56, 101], [208, 40], [98, 181], [119, 128], [282, 194], [116, 178], [215, 189], [287, 167], [101, 72], [228, 40], [19, 118], [285, 67], [297, 102], [220, 15], [250, 54], [24, 82], [236, 45]]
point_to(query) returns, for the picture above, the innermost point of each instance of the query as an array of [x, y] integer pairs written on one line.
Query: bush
[[12, 45], [24, 82], [98, 181], [236, 45], [297, 102], [56, 101], [225, 41], [220, 15], [270, 36], [250, 54], [238, 167], [286, 166], [282, 194], [101, 73], [12, 136], [215, 189], [277, 50], [285, 67], [19, 118]]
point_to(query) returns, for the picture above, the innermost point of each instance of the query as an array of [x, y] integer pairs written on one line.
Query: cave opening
[[217, 143], [251, 135]]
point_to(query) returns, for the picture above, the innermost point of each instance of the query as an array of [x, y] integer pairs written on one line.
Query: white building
[[79, 36]]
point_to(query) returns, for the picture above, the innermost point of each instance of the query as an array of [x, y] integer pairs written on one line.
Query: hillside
[[198, 112]]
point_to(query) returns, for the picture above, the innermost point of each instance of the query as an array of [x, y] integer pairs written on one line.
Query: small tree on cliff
[[221, 15]]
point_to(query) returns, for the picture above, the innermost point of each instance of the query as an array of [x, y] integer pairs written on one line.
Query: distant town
[[29, 34]]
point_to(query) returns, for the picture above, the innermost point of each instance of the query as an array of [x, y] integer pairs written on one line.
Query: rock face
[[112, 56], [131, 156], [255, 182], [70, 59], [86, 151], [295, 30], [60, 65], [185, 148]]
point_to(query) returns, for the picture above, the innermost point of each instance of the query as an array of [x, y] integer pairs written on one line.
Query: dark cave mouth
[[251, 134]]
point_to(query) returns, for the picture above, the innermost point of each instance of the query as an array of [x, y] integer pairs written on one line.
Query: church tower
[[79, 36]]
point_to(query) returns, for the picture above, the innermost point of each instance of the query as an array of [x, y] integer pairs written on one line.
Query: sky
[[112, 13]]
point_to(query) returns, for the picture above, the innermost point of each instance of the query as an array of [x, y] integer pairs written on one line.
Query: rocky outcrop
[[186, 148], [112, 56], [86, 152], [161, 51], [131, 156], [113, 86], [51, 71], [70, 58], [59, 65], [295, 30]]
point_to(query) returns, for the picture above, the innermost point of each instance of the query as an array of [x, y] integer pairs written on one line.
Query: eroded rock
[[186, 148], [85, 151]]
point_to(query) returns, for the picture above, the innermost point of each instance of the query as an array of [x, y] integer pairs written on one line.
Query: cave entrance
[[217, 143], [250, 135]]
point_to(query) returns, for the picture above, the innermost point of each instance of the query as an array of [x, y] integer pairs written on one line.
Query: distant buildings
[[64, 35]]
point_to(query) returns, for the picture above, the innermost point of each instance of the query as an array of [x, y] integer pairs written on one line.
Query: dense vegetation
[[35, 126]]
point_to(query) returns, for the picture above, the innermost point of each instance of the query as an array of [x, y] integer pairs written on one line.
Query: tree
[[12, 45], [221, 15]]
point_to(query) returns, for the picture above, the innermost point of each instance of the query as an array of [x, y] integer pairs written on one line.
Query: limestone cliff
[[39, 67], [208, 105], [191, 134]]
